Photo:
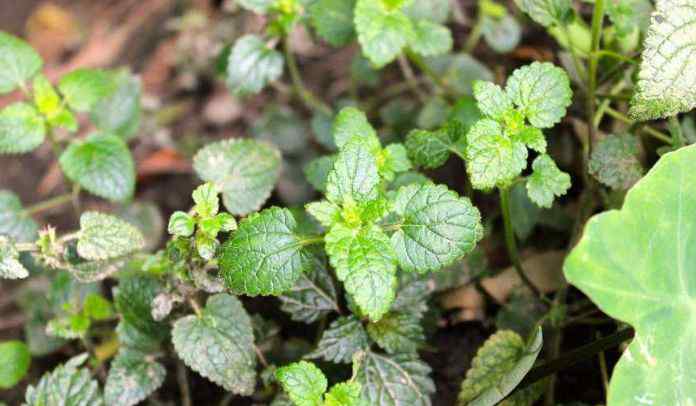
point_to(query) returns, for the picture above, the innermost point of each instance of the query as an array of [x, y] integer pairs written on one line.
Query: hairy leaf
[[493, 159], [133, 376], [133, 298], [68, 384], [382, 33], [18, 62], [10, 267], [546, 12], [546, 181], [14, 363], [355, 175], [351, 122], [344, 394], [398, 380], [304, 383], [22, 129], [344, 337], [614, 161], [542, 93], [252, 65], [317, 171], [314, 294], [103, 237], [333, 20], [492, 99], [397, 333]]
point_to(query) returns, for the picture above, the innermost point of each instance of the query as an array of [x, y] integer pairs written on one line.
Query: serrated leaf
[[398, 380], [492, 99], [92, 271], [22, 129], [313, 295], [614, 161], [265, 256], [14, 363], [343, 394], [413, 293], [431, 149], [133, 376], [245, 171], [14, 221], [51, 106], [636, 265], [546, 181], [66, 385], [365, 262], [219, 344], [430, 38], [181, 224], [437, 11], [130, 337], [629, 16], [397, 333], [667, 72], [102, 164], [542, 93], [10, 267], [325, 212], [252, 65], [104, 237], [119, 112], [18, 62], [341, 340], [499, 366], [355, 175], [133, 298], [493, 159], [206, 200], [533, 138], [382, 33], [394, 159], [83, 88], [351, 122], [304, 383], [317, 171], [546, 12], [333, 20], [436, 227]]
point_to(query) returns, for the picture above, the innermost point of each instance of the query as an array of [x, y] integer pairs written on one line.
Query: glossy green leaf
[[133, 299], [542, 93], [493, 159], [355, 175], [382, 32], [252, 65], [18, 62], [83, 88], [245, 171], [344, 394], [546, 181], [133, 376], [22, 129], [103, 237], [397, 380], [397, 333], [14, 221], [431, 149], [351, 122], [341, 340], [102, 164], [333, 20], [614, 161], [304, 383], [317, 171], [219, 344], [635, 264], [181, 224], [14, 363], [68, 384], [546, 12]]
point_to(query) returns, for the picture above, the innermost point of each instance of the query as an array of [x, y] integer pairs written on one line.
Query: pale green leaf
[[430, 38], [325, 212], [282, 127], [533, 138], [10, 267], [49, 103], [219, 344], [102, 164], [206, 200], [245, 171], [499, 366], [382, 33], [68, 384], [304, 383], [546, 12], [636, 265], [119, 112], [18, 62], [181, 224], [459, 71], [492, 99], [397, 333], [398, 380], [344, 394], [493, 159], [14, 363], [133, 376], [22, 129], [501, 34], [341, 340], [394, 159], [436, 227], [252, 65], [614, 161], [355, 175], [351, 122], [103, 237], [546, 181], [333, 20], [437, 11], [14, 221], [83, 88], [317, 171], [542, 93]]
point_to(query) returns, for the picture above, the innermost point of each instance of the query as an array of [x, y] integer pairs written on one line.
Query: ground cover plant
[[472, 203]]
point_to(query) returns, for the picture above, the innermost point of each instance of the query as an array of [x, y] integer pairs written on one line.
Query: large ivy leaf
[[14, 363], [18, 62], [614, 161], [333, 20], [667, 74], [133, 376], [83, 88], [546, 181], [344, 337], [10, 267], [304, 383], [313, 295], [398, 380], [22, 129], [102, 164], [397, 333], [14, 221], [219, 344], [493, 158], [265, 256], [499, 366], [436, 227], [636, 265], [103, 237], [66, 385], [252, 65], [542, 93], [245, 171], [382, 32]]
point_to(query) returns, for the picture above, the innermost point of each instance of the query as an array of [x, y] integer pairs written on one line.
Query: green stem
[[510, 240], [596, 32], [410, 77], [309, 99], [573, 53], [676, 132], [49, 204], [475, 34], [432, 75], [647, 129]]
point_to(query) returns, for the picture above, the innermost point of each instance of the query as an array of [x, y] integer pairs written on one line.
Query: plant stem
[[410, 77], [432, 75], [647, 129], [182, 379], [262, 358], [573, 357], [676, 132], [596, 32], [475, 34], [196, 307], [49, 204], [309, 98], [510, 240]]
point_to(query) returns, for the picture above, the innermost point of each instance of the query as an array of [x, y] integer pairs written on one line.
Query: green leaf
[[219, 344], [119, 112], [394, 160], [397, 333], [96, 307], [546, 181], [265, 256], [614, 161], [14, 221], [22, 129], [436, 227], [181, 224], [501, 34], [325, 212], [68, 384], [344, 337], [146, 216], [430, 38], [344, 394], [437, 11], [102, 164], [533, 138], [51, 106], [542, 93], [245, 171], [493, 159], [459, 71], [629, 16], [365, 262], [382, 33], [133, 298], [635, 264], [317, 171], [304, 383], [524, 213], [10, 267], [397, 380], [547, 12], [206, 199], [257, 6], [431, 149], [252, 65], [14, 363], [131, 338], [499, 366], [18, 62], [83, 88], [282, 127], [351, 122], [492, 99], [69, 327], [313, 296], [355, 175], [668, 70], [133, 376], [104, 237], [434, 113], [333, 20]]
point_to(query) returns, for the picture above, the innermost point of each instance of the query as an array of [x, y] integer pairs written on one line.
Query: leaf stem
[[676, 132], [647, 129], [49, 204], [182, 380], [308, 98], [510, 240], [262, 358], [432, 75], [410, 77], [475, 34]]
